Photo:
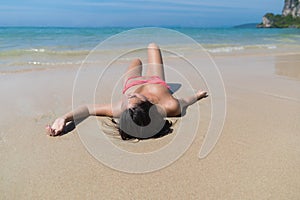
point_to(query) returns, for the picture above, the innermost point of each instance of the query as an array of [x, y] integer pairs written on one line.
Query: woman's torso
[[155, 93]]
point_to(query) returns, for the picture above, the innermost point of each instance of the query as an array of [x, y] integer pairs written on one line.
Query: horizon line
[[115, 26]]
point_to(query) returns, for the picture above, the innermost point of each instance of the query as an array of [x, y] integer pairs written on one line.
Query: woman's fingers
[[52, 131], [49, 130]]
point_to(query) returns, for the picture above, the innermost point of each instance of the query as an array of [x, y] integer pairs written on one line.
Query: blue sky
[[193, 13]]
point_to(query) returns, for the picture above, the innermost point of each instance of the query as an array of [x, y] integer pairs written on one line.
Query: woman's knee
[[153, 46], [136, 62]]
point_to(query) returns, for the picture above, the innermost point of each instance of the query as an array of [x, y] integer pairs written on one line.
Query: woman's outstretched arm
[[80, 114], [185, 102]]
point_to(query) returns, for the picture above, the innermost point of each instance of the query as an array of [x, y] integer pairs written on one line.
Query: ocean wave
[[36, 50], [229, 49], [50, 63], [41, 63], [42, 51], [21, 66], [225, 49], [71, 53]]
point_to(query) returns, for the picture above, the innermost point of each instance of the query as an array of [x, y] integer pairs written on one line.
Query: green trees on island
[[290, 17], [280, 21]]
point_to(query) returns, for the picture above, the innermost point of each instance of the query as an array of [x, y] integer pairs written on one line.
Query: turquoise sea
[[39, 47]]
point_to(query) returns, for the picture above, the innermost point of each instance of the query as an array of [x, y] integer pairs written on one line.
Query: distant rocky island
[[290, 17]]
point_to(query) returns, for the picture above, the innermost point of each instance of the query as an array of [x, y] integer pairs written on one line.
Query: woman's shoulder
[[171, 106]]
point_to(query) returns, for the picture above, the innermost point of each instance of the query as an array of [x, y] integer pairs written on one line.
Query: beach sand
[[256, 157]]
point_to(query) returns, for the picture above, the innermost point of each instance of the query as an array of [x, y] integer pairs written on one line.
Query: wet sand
[[256, 157]]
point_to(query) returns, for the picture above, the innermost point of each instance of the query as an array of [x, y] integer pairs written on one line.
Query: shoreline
[[282, 50]]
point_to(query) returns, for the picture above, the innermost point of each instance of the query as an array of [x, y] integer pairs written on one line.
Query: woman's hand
[[57, 127], [201, 94]]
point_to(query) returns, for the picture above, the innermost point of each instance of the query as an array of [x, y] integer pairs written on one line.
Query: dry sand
[[256, 157]]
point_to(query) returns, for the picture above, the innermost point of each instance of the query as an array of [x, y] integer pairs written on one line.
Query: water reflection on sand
[[288, 66]]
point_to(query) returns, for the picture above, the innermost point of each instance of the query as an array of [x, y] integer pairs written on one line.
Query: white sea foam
[[229, 49], [54, 63], [37, 50], [225, 49], [271, 47]]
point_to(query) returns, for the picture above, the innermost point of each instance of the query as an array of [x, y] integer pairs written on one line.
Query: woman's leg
[[155, 62], [134, 69]]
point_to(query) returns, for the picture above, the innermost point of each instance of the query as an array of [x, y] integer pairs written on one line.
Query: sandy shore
[[256, 157]]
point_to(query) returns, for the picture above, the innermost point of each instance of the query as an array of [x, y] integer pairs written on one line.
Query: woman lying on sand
[[146, 102]]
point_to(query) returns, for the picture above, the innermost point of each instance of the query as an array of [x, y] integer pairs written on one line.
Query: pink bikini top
[[152, 80]]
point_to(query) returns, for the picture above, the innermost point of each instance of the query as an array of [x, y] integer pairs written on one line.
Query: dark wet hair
[[142, 122]]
